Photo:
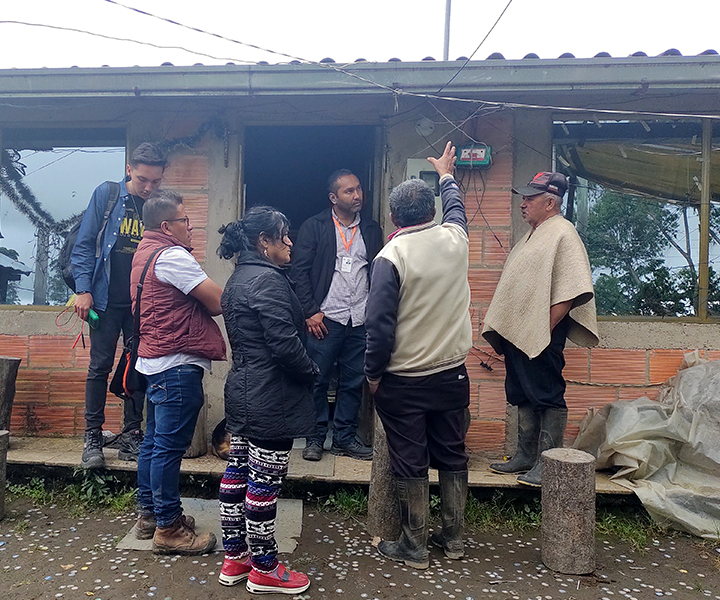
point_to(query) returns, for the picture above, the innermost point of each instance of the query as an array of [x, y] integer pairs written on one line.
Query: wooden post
[[383, 509], [4, 439], [8, 374], [568, 511]]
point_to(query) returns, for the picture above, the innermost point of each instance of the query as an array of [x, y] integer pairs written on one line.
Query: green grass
[[352, 503], [632, 525], [503, 512], [88, 490]]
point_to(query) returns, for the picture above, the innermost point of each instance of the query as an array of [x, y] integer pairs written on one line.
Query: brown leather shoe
[[146, 524], [179, 538]]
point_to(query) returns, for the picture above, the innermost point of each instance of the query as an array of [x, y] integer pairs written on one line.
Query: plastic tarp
[[666, 450]]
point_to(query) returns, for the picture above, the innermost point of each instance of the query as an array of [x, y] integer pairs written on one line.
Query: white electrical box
[[420, 168]]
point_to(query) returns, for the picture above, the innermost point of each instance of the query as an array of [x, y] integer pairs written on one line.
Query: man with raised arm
[[418, 337]]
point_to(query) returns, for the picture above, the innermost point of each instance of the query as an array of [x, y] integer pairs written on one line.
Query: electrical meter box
[[474, 156], [420, 168]]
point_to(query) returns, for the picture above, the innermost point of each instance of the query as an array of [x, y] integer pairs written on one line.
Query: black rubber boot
[[527, 446], [453, 495], [552, 431], [411, 548]]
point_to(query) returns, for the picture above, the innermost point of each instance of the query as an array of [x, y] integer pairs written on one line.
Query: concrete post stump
[[8, 374], [4, 439], [568, 511], [383, 509]]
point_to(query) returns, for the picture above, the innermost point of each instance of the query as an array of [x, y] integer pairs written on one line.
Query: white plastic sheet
[[667, 451]]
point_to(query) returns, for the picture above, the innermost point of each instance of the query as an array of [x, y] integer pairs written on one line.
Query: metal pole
[[703, 275], [446, 45]]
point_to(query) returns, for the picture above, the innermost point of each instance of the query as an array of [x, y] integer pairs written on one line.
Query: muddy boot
[[179, 538], [526, 453], [552, 431], [453, 494], [411, 548], [147, 523]]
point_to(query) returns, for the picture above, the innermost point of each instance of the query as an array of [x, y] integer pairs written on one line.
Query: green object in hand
[[93, 319]]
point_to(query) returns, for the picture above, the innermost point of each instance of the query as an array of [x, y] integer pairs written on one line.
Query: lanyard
[[342, 235]]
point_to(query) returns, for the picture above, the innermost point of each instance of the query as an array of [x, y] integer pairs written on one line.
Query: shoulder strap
[[136, 316], [112, 201]]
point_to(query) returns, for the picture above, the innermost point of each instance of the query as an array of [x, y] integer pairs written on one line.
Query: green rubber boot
[[552, 431]]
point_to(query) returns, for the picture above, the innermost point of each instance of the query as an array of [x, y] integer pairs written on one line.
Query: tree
[[627, 239]]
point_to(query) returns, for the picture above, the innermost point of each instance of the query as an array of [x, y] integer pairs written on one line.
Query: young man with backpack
[[101, 261]]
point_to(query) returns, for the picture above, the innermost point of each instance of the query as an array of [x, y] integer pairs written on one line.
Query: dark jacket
[[268, 392], [315, 253]]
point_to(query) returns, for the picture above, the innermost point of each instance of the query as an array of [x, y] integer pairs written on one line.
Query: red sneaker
[[234, 571], [280, 581]]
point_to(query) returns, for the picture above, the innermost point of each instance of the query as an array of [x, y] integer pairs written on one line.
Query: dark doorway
[[288, 167]]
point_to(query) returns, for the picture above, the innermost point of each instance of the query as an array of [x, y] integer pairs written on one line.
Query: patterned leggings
[[248, 499]]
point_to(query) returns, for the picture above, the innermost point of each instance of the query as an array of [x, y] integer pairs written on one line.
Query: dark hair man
[[178, 341], [101, 262], [418, 337], [330, 268], [545, 294]]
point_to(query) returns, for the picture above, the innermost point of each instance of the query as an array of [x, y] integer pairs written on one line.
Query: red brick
[[476, 247], [67, 387], [482, 285], [15, 346], [199, 244], [50, 420], [486, 435], [492, 400], [664, 364], [576, 364], [494, 206], [581, 397], [196, 207], [627, 393], [493, 253], [477, 371], [187, 172], [51, 351], [32, 386], [113, 415], [616, 365]]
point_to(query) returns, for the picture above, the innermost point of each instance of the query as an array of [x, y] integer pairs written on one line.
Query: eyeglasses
[[185, 218]]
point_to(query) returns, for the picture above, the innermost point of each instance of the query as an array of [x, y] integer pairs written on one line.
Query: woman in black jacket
[[268, 398]]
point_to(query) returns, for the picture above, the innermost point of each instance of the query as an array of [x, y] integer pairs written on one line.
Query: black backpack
[[66, 251]]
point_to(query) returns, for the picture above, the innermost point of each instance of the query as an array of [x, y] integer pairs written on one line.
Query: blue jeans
[[174, 399], [345, 345]]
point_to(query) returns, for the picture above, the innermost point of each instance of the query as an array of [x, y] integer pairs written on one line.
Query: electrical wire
[[120, 39]]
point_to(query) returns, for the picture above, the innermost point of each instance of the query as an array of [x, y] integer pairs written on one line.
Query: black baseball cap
[[555, 183]]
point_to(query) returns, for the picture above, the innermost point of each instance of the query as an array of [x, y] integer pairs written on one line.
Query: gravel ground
[[47, 553]]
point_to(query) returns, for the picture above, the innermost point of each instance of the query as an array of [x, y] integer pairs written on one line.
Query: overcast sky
[[376, 30]]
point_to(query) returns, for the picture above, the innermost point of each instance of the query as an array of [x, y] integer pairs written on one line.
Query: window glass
[[45, 190], [636, 204]]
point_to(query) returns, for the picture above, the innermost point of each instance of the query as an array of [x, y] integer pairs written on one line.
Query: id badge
[[346, 264]]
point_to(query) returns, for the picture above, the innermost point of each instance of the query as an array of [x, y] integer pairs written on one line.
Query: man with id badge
[[331, 262]]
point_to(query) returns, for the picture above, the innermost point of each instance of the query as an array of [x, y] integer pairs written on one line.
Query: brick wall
[[50, 396]]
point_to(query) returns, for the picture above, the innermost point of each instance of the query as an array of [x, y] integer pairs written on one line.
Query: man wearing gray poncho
[[545, 295]]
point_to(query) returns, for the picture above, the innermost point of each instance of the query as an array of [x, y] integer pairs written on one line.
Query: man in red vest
[[178, 342]]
